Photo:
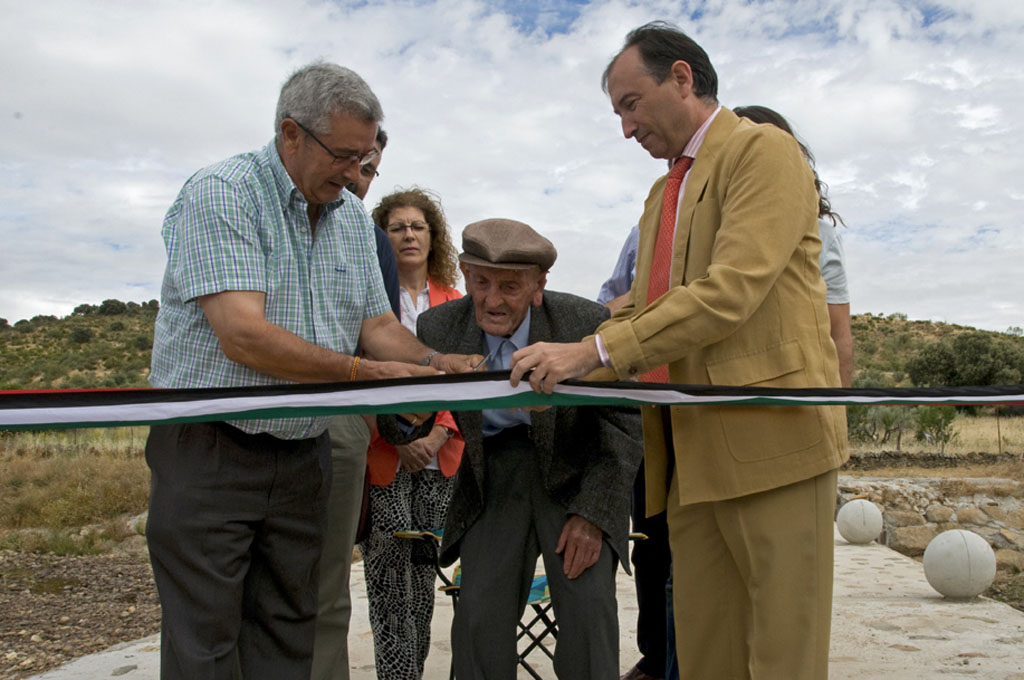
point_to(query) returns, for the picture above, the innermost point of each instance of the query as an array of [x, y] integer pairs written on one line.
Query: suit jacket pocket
[[764, 432], [759, 366]]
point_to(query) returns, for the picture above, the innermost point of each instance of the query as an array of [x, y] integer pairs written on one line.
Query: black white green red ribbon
[[50, 409]]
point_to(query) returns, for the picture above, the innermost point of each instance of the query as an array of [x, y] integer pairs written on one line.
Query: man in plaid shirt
[[271, 278]]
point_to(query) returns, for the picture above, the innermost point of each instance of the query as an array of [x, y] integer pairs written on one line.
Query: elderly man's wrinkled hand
[[580, 545]]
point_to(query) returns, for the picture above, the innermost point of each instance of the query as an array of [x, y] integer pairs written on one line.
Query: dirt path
[[54, 609]]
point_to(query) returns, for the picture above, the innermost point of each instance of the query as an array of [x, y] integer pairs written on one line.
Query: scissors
[[487, 358]]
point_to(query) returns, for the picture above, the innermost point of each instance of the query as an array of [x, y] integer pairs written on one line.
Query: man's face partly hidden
[[361, 186], [501, 297], [315, 172]]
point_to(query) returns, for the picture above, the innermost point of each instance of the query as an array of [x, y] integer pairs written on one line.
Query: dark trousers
[[235, 528], [652, 566], [499, 555]]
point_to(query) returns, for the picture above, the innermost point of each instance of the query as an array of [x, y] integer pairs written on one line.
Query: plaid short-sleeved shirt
[[242, 225]]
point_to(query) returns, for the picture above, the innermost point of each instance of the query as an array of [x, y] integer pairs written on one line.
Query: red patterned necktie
[[662, 263]]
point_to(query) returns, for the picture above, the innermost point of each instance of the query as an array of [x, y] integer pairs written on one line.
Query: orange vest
[[382, 457]]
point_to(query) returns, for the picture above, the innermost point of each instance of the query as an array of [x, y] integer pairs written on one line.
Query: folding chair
[[543, 618]]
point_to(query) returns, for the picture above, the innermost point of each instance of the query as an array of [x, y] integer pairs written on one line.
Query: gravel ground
[[54, 609]]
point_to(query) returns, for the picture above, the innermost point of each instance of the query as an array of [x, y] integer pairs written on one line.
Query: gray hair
[[320, 89]]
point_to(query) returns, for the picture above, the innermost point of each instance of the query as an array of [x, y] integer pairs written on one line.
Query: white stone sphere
[[859, 521], [959, 563]]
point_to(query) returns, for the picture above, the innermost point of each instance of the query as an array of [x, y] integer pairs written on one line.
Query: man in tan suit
[[728, 292]]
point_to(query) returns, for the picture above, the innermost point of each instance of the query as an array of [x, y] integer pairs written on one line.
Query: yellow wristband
[[355, 369]]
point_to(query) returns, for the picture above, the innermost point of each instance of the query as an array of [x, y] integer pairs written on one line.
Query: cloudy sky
[[913, 110]]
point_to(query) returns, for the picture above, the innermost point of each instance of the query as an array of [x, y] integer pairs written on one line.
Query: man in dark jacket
[[554, 483]]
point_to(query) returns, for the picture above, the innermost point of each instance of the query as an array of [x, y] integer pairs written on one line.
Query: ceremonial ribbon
[[55, 409]]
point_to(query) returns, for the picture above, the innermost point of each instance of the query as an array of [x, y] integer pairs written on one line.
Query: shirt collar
[[693, 146], [283, 181]]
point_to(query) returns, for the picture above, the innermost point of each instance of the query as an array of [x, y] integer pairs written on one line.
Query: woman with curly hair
[[410, 485]]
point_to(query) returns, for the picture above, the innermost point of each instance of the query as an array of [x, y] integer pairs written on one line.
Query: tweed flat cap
[[506, 244]]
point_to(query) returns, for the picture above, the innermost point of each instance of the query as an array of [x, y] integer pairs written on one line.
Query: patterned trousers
[[400, 573]]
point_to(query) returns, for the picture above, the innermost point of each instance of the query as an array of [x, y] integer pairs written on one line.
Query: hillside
[[893, 351], [105, 345], [108, 345]]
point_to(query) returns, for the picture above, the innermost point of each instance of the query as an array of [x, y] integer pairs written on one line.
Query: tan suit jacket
[[746, 306]]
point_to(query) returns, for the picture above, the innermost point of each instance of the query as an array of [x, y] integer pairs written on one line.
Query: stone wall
[[916, 510]]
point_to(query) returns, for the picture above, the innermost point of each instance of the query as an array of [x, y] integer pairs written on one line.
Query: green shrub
[[112, 307], [934, 424]]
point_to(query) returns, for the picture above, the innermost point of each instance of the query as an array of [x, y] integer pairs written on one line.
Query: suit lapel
[[472, 341], [696, 182]]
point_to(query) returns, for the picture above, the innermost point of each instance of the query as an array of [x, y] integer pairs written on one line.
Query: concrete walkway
[[887, 623]]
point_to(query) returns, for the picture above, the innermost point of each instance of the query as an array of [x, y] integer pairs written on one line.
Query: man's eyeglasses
[[337, 159]]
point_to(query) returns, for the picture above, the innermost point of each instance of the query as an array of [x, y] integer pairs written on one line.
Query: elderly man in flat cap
[[554, 483]]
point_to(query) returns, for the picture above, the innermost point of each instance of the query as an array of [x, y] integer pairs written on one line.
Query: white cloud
[[497, 106], [977, 117]]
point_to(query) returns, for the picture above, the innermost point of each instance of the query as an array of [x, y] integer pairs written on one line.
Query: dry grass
[[974, 434], [107, 441], [54, 483], [979, 433]]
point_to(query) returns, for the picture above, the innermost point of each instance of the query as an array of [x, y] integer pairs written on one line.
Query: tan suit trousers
[[752, 583]]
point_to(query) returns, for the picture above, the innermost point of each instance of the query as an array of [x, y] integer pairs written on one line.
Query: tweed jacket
[[746, 306], [589, 455]]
